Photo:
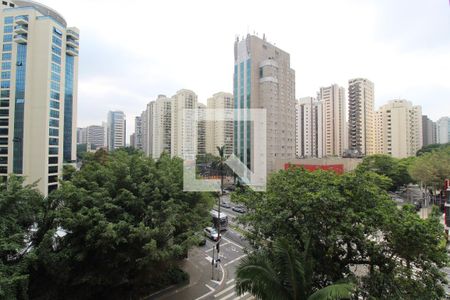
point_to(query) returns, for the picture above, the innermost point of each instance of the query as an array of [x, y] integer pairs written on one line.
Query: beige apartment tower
[[183, 126], [263, 79], [361, 114], [219, 128], [332, 123], [399, 129], [38, 103], [308, 133]]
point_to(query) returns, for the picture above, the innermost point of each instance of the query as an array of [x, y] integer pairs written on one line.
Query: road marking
[[208, 258], [230, 281], [224, 291], [231, 242], [213, 248], [228, 296], [210, 288], [235, 260]]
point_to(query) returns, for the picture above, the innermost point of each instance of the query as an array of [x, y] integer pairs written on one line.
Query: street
[[208, 281]]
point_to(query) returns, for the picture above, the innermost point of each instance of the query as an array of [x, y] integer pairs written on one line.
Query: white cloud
[[131, 51]]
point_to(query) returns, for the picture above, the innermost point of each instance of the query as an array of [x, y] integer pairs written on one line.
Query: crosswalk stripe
[[227, 297], [224, 291]]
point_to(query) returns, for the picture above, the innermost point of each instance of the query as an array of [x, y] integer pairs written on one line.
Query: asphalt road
[[209, 281]]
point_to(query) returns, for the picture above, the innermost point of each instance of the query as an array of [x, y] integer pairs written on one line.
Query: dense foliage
[[393, 168], [115, 230], [432, 168], [356, 232]]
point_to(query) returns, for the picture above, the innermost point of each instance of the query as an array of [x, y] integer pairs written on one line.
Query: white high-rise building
[[96, 137], [183, 127], [157, 136], [137, 142], [38, 101], [361, 114], [219, 129], [428, 131], [81, 136], [308, 134], [443, 130], [201, 129], [263, 79], [117, 128], [333, 121], [399, 129]]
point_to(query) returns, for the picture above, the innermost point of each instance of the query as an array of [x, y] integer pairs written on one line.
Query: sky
[[133, 50]]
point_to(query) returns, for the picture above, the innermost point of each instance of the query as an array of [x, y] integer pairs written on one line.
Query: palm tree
[[286, 274]]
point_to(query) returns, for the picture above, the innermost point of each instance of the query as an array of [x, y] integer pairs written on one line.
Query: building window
[[3, 160], [6, 75], [8, 29], [52, 160], [53, 142], [3, 141], [4, 150], [7, 47], [5, 84], [56, 59], [4, 93], [56, 68], [53, 132], [56, 77], [53, 123], [4, 122], [6, 56], [54, 113], [54, 95], [57, 41], [7, 38], [57, 31], [6, 65], [3, 131], [52, 170], [53, 151], [54, 86], [56, 50], [52, 179], [9, 20], [54, 104]]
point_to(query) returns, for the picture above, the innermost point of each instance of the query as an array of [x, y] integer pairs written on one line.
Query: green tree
[[116, 229], [284, 273], [395, 169], [20, 209], [432, 168], [353, 225]]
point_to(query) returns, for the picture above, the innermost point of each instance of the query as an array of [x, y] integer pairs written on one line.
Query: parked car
[[240, 209], [225, 204], [211, 233], [200, 238]]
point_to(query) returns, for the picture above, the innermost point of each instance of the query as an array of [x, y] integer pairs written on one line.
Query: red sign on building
[[339, 168]]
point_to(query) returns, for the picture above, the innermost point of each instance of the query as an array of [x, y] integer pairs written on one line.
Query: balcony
[[71, 51], [21, 29], [72, 34], [72, 42], [22, 20], [20, 38]]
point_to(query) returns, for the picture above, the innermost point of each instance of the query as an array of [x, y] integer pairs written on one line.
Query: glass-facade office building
[[38, 95]]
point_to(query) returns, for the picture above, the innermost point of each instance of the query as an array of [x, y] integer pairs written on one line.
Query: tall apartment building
[[157, 127], [361, 113], [219, 127], [183, 127], [308, 133], [428, 131], [96, 136], [399, 129], [137, 143], [81, 136], [116, 132], [332, 118], [443, 130], [201, 129], [38, 100], [264, 79]]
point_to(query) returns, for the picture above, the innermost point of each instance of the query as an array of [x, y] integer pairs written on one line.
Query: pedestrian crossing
[[229, 293]]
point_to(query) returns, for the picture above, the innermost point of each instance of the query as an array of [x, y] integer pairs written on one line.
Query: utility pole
[[222, 161]]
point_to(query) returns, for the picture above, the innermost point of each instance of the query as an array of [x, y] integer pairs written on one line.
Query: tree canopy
[[356, 232], [432, 168], [115, 230]]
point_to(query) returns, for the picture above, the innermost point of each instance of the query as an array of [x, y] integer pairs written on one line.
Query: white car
[[211, 233]]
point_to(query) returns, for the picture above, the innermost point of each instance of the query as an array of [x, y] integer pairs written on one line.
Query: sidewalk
[[199, 270]]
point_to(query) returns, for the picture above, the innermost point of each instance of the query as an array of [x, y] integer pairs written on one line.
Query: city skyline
[[406, 60]]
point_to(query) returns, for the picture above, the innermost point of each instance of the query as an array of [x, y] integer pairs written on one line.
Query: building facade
[[96, 137], [332, 118], [399, 129], [201, 129], [38, 101], [116, 130], [219, 127], [428, 131], [443, 130], [183, 126], [308, 128], [361, 114], [81, 136], [263, 78], [137, 143]]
